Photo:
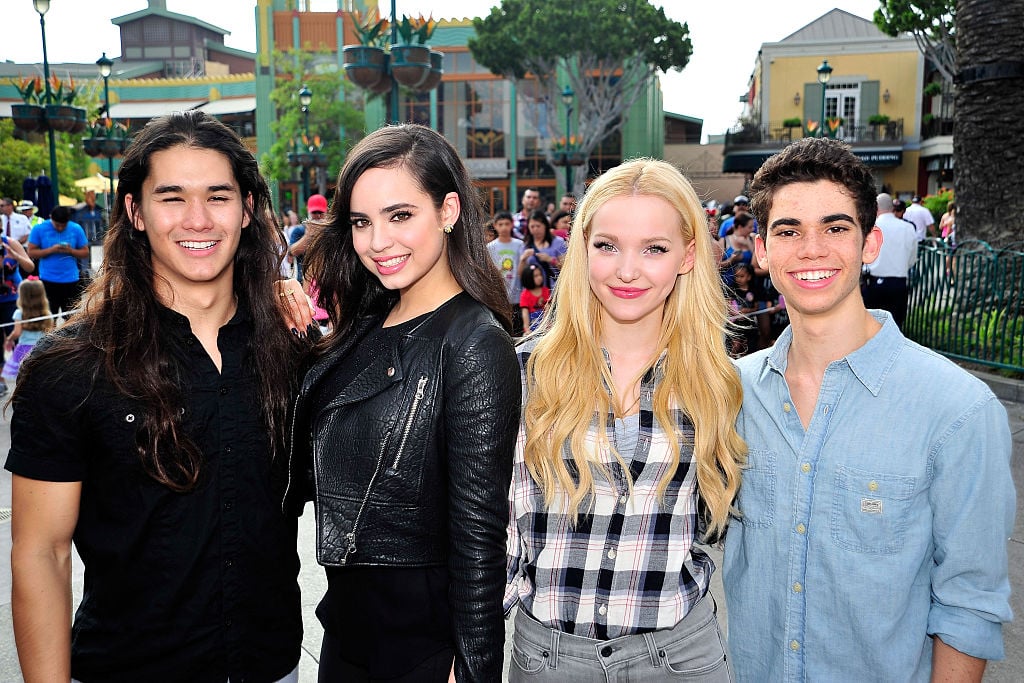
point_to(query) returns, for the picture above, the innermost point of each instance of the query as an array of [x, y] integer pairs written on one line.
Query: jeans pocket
[[699, 655], [527, 657]]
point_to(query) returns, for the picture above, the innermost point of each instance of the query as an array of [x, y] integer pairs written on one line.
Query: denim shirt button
[[805, 468], [794, 645], [800, 528], [786, 407]]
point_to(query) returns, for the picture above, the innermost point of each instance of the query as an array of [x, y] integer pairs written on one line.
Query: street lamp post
[[824, 74], [105, 65], [42, 7], [567, 100], [305, 98]]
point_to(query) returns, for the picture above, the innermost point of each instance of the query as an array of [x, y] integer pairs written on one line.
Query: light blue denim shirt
[[882, 523]]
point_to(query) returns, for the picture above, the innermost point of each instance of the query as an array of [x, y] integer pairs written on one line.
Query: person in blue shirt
[[57, 244], [874, 513], [741, 206]]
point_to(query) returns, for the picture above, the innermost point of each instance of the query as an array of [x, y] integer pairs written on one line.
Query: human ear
[[760, 252], [134, 216], [451, 209], [246, 214], [872, 245], [691, 253]]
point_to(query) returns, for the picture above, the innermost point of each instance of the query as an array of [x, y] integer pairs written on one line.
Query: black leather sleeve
[[481, 404]]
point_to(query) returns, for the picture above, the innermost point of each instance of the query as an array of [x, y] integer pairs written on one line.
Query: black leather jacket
[[411, 464]]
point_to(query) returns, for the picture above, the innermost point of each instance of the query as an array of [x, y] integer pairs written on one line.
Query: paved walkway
[[313, 583]]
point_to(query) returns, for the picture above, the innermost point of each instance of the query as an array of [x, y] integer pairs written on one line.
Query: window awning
[[748, 161], [232, 105], [148, 110]]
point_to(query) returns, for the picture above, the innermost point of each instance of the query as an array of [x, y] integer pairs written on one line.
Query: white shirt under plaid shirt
[[628, 567]]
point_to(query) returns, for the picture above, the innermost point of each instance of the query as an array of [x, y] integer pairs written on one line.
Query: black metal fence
[[968, 303], [776, 132]]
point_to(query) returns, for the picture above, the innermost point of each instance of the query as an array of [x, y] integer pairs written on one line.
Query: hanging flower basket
[[558, 158], [63, 117], [410, 64], [365, 65], [574, 158], [27, 117], [436, 71], [80, 122], [93, 146]]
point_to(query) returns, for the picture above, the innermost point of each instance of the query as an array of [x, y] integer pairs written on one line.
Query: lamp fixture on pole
[[42, 7], [567, 99], [824, 74], [106, 65], [305, 99]]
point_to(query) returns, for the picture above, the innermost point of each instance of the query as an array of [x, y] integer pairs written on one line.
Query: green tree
[[931, 22], [609, 51], [330, 112], [24, 158]]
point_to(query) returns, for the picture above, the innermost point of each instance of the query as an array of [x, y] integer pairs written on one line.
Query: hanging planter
[[365, 65], [410, 64], [64, 118], [436, 71], [27, 117]]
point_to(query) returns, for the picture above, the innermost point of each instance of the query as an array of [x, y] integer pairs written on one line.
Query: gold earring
[[448, 229]]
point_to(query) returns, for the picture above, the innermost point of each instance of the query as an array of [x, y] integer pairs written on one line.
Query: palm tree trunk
[[988, 129]]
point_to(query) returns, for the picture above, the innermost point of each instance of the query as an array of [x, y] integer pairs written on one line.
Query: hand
[[546, 258], [296, 306], [527, 253], [9, 344]]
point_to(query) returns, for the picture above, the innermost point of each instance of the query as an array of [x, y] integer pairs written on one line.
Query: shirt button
[[391, 372], [228, 505], [825, 410], [786, 407], [873, 485], [623, 498], [794, 645], [223, 391], [800, 528], [228, 563], [805, 468], [611, 554], [602, 610], [797, 588], [228, 449], [606, 651]]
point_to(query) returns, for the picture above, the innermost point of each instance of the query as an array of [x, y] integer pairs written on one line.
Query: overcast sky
[[726, 36]]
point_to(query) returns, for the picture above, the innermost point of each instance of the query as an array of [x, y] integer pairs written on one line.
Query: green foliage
[[937, 203], [608, 50], [373, 30], [931, 22], [29, 158], [329, 111], [878, 119], [518, 35], [794, 122], [418, 28], [932, 89]]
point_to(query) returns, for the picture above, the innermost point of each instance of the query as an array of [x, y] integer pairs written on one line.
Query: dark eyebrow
[[172, 189], [831, 218]]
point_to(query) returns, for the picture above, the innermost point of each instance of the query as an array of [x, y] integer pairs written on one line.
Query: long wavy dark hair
[[119, 318], [347, 289]]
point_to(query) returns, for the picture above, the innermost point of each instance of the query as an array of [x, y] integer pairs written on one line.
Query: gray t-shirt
[[506, 257]]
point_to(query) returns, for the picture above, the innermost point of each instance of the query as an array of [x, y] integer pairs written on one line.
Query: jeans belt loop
[[652, 648], [553, 655]]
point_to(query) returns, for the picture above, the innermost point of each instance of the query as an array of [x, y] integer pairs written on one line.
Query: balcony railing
[[774, 133], [936, 126]]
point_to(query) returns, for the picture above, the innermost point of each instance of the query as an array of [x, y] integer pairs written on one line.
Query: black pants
[[63, 295], [334, 669], [887, 293]]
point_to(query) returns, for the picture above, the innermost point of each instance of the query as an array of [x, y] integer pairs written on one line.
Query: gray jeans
[[692, 650]]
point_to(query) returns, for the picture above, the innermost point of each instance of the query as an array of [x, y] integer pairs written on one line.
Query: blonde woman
[[627, 454]]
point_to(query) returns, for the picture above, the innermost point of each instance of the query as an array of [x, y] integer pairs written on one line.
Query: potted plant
[[366, 63], [811, 129], [832, 124], [932, 89], [880, 122], [566, 152], [793, 122], [29, 115], [61, 114], [410, 61]]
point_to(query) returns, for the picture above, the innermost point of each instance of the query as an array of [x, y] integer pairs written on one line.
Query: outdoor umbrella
[[28, 190], [44, 196]]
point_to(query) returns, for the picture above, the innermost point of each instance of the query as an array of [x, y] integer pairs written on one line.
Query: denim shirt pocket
[[870, 510], [756, 500]]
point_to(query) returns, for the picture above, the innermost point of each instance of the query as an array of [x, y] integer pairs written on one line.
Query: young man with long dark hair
[[146, 430]]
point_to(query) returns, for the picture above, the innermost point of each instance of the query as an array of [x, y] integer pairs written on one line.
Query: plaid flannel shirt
[[630, 565]]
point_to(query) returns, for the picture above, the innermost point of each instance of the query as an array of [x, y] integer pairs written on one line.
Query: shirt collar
[[870, 363]]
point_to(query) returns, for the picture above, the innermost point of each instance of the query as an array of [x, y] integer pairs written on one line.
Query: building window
[[180, 32], [132, 33], [156, 31]]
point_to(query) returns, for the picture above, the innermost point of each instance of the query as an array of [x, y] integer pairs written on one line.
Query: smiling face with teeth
[[814, 247], [192, 212], [397, 233]]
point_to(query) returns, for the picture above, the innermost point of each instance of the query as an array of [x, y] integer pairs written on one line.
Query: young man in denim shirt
[[874, 512]]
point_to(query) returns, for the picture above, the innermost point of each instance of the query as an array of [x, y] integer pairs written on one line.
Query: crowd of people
[[458, 468]]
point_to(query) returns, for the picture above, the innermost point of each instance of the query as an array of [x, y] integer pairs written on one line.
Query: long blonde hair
[[568, 379]]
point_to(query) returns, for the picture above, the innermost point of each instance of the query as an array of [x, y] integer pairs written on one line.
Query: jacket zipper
[[291, 452], [351, 536], [408, 422]]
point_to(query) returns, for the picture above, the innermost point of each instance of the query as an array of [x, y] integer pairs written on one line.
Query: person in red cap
[[316, 205]]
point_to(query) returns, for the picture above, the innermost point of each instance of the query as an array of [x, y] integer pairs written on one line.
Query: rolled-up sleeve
[[973, 505]]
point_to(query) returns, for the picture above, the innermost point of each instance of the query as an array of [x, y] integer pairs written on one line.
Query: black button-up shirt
[[199, 586]]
